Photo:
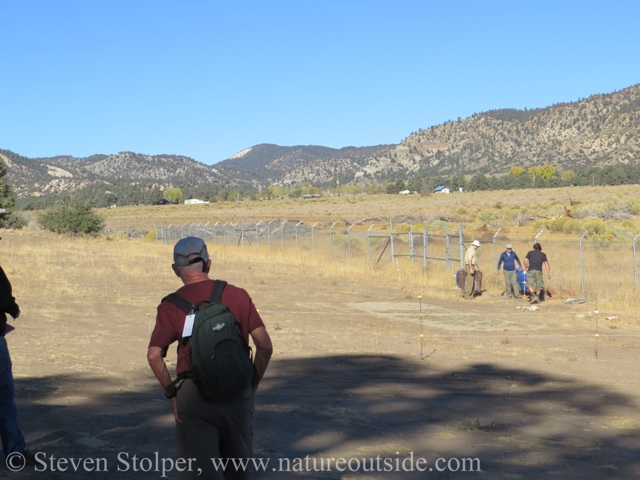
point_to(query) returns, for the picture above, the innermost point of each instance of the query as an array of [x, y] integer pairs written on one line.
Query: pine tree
[[7, 196]]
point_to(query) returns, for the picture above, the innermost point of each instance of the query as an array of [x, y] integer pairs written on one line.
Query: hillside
[[598, 131]]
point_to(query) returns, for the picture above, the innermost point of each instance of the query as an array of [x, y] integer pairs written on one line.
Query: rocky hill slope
[[597, 131]]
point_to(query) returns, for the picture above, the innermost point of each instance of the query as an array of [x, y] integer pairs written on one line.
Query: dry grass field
[[521, 391], [518, 214]]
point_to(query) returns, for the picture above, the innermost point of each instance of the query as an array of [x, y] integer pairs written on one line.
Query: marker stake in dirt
[[422, 357], [597, 327], [421, 334]]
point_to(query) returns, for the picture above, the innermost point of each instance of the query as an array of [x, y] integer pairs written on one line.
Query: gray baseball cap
[[509, 245], [188, 247]]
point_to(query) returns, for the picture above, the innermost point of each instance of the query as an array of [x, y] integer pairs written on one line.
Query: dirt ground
[[521, 391]]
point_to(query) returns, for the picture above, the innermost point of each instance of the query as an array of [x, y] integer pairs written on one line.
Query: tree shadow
[[517, 422]]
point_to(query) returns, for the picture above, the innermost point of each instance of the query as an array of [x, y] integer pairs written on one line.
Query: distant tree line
[[121, 193]]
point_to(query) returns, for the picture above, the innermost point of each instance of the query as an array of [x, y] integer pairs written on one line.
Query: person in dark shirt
[[509, 258], [13, 443], [533, 263]]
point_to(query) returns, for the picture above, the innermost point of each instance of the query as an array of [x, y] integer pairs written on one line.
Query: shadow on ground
[[518, 423]]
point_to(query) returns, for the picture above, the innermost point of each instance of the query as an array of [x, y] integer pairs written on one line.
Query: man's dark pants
[[217, 429], [12, 439]]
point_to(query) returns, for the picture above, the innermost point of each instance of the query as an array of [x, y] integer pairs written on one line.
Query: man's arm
[[526, 264], [546, 264], [500, 262], [515, 257], [159, 367], [264, 349], [7, 302]]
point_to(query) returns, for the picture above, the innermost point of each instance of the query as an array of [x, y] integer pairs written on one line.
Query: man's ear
[[175, 269], [208, 266]]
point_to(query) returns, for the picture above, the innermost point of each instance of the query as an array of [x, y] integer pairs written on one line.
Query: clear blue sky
[[209, 78]]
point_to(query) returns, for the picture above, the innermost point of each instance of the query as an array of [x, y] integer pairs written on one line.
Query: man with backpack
[[212, 396]]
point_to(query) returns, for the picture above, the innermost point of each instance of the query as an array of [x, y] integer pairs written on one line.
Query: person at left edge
[[12, 438]]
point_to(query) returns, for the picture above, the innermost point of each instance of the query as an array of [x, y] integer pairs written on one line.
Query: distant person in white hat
[[470, 268], [509, 258]]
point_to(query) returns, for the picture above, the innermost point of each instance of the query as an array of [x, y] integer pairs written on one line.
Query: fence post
[[411, 241], [635, 265], [215, 237], [349, 240], [190, 228], [535, 239], [282, 232], [164, 240], [581, 263], [369, 242], [182, 235], [224, 234], [393, 253], [234, 233], [425, 240], [269, 232], [495, 251], [462, 251], [448, 255], [297, 236], [257, 232], [331, 241], [313, 240]]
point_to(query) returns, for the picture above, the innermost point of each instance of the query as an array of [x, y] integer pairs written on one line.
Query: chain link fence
[[588, 265]]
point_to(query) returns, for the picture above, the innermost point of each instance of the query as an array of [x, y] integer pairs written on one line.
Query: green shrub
[[487, 215], [376, 240], [572, 226], [538, 224], [338, 239], [557, 225], [75, 217], [635, 207], [512, 214], [16, 221], [594, 225], [402, 227]]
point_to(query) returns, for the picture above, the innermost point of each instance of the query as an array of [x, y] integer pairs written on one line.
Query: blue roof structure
[[441, 187]]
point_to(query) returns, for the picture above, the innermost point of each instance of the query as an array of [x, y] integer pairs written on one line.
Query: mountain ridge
[[603, 129]]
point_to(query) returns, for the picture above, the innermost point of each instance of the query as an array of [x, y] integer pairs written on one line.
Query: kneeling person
[[219, 427]]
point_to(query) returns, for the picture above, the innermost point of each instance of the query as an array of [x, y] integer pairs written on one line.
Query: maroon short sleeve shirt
[[170, 319]]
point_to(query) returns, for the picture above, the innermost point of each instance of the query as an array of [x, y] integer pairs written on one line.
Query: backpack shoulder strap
[[216, 291], [180, 302]]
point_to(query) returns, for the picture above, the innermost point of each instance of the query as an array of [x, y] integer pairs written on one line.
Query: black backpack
[[221, 364]]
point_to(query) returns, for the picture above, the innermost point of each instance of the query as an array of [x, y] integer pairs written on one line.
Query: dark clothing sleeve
[[7, 302]]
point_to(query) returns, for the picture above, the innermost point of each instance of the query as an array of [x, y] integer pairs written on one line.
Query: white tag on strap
[[188, 326]]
